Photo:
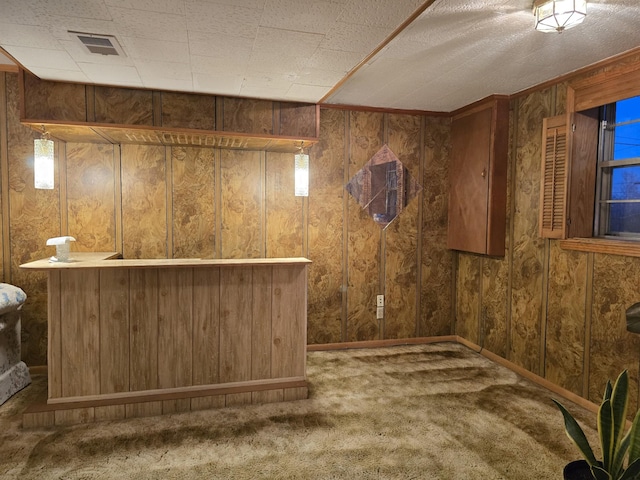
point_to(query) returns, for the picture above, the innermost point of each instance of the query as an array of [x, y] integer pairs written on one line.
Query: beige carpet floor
[[438, 411]]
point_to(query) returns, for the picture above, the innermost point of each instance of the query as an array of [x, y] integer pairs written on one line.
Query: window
[[617, 211]]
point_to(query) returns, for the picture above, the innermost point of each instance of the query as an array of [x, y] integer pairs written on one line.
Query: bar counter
[[137, 337]]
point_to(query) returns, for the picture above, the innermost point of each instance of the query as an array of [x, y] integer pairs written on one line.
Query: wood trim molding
[[168, 394], [395, 342], [543, 382], [627, 248]]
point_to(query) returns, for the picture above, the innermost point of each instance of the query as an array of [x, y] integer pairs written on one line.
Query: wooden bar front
[[145, 337]]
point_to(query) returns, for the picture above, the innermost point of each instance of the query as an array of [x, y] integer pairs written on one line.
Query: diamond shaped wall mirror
[[383, 187]]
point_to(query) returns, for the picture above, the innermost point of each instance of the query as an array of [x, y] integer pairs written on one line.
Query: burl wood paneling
[[363, 238], [493, 313], [528, 248], [194, 215], [613, 349], [62, 101], [283, 209], [468, 306], [90, 196], [565, 340], [123, 106], [297, 120], [144, 215], [401, 263], [437, 261], [186, 110], [34, 216], [241, 199], [325, 226], [246, 115]]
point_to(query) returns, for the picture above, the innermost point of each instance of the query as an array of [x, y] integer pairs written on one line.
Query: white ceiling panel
[[452, 53]]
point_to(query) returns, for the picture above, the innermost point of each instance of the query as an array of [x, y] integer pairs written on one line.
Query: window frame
[[613, 82]]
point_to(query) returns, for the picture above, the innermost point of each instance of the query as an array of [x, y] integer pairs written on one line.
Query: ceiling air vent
[[99, 44]]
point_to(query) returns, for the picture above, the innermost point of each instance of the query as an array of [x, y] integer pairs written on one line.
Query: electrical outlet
[[379, 313], [380, 301]]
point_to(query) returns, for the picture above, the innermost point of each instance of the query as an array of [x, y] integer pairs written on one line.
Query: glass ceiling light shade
[[558, 15], [301, 174], [43, 170]]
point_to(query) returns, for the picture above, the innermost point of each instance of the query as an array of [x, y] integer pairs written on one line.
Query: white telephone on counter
[[63, 247]]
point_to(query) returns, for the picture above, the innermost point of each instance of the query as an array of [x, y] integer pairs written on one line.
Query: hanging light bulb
[[43, 170], [301, 173]]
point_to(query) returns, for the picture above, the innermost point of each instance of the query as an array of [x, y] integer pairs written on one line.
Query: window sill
[[627, 248]]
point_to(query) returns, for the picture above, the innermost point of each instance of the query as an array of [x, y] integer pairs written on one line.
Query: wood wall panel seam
[[4, 185], [168, 161], [62, 185], [587, 324], [344, 291], [420, 233], [544, 305], [512, 215]]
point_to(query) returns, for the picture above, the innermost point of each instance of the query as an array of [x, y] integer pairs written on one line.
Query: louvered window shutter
[[553, 186]]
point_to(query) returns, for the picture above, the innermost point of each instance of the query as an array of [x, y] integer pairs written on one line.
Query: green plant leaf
[[632, 472], [577, 436], [618, 462], [605, 429], [634, 439], [619, 403], [600, 474], [607, 391]]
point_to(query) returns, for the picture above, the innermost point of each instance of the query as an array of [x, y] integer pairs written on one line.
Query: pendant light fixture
[[43, 159], [301, 167], [558, 15]]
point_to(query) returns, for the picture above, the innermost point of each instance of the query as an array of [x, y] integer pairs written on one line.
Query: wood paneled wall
[[558, 313], [197, 202]]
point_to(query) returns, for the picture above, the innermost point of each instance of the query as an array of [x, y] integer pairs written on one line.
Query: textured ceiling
[[453, 53]]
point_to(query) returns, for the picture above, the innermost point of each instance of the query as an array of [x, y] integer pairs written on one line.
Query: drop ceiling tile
[[317, 77], [155, 25], [155, 50], [354, 38], [274, 64], [218, 45], [217, 66], [225, 19], [27, 36], [170, 84], [41, 58], [272, 40], [265, 92], [302, 93], [22, 12], [256, 4], [314, 16], [377, 13], [73, 8], [218, 84], [113, 75], [163, 6], [337, 60], [165, 70], [61, 75]]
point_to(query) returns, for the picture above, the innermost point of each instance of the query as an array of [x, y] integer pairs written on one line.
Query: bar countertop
[[111, 260]]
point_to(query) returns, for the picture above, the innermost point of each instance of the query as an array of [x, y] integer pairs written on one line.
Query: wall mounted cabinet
[[478, 178]]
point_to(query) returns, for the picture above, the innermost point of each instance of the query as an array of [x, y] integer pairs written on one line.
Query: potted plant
[[616, 445]]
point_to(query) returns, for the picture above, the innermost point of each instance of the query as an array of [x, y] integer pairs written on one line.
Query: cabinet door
[[469, 182]]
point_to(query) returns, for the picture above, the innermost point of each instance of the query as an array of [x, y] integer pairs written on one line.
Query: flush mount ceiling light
[[558, 15]]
